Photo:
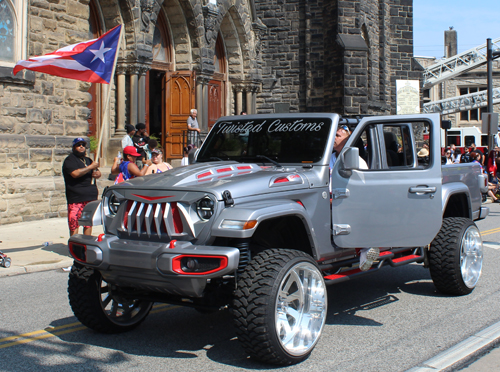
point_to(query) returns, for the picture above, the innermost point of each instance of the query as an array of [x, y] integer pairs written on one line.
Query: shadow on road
[[178, 333]]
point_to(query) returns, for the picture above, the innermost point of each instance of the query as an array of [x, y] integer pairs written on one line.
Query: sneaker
[[366, 258], [496, 201]]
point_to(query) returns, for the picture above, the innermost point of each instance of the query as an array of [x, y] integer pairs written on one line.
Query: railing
[[457, 64], [462, 103]]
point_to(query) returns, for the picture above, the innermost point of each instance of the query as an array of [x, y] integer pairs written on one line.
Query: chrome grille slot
[[158, 220]]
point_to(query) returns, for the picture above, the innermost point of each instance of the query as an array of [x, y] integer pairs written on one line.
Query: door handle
[[422, 190]]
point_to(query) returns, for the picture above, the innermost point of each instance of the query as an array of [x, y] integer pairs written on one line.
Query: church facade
[[221, 57]]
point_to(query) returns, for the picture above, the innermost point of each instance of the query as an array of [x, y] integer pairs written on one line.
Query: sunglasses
[[346, 128], [81, 144]]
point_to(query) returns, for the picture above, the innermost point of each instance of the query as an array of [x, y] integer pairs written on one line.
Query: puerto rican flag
[[91, 61]]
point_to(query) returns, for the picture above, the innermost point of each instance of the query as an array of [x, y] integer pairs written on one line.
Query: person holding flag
[[93, 61]]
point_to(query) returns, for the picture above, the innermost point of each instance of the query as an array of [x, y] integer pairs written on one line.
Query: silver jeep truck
[[260, 224]]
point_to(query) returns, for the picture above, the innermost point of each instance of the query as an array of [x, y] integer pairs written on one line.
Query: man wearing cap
[[127, 139], [78, 172], [140, 140]]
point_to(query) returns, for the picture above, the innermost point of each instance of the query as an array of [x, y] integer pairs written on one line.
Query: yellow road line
[[61, 330], [41, 337], [38, 332], [491, 231]]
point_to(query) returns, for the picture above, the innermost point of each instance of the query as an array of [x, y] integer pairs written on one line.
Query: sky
[[474, 21]]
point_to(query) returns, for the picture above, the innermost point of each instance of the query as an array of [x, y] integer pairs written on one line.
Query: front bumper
[[153, 266]]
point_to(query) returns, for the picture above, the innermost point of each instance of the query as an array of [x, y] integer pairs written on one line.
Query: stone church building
[[218, 56]]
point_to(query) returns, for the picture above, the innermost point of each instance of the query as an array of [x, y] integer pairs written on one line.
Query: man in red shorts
[[79, 172]]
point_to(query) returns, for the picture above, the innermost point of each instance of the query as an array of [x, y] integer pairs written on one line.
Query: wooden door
[[215, 99], [180, 99]]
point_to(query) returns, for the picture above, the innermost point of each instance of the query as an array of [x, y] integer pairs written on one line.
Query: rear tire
[[98, 306], [280, 306], [456, 256], [7, 262]]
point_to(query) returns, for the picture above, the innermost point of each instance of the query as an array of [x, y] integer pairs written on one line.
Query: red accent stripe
[[343, 274], [177, 218], [222, 170], [176, 264], [151, 198], [206, 174], [281, 179], [385, 253], [244, 167], [125, 218], [406, 258]]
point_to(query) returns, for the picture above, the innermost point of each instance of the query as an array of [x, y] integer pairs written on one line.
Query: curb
[[18, 270], [463, 352]]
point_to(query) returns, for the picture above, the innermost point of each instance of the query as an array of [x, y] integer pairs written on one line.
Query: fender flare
[[260, 211], [453, 188]]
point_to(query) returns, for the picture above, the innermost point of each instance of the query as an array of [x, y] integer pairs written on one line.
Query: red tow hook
[[99, 238], [172, 244]]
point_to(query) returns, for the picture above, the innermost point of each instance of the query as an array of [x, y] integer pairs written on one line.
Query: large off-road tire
[[280, 306], [7, 262], [97, 306], [456, 256]]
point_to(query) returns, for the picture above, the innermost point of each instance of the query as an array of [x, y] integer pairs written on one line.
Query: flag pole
[[111, 83]]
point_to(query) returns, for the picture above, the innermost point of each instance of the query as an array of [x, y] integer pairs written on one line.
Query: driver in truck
[[366, 255]]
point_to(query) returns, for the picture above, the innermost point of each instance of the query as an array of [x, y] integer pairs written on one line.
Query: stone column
[[250, 107], [239, 99], [120, 104], [142, 96], [199, 99], [134, 96]]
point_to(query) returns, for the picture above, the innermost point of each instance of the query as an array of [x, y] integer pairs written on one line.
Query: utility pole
[[490, 55]]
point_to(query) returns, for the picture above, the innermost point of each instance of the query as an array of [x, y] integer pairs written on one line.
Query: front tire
[[97, 305], [280, 306], [456, 256]]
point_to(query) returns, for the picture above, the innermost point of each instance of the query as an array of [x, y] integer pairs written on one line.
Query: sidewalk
[[23, 243]]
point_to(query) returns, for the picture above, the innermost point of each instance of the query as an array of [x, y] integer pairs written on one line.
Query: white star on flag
[[100, 53]]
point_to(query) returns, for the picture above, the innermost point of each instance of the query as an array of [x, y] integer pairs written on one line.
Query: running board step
[[385, 258]]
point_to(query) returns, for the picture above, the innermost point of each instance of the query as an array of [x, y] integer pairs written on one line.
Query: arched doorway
[[170, 94], [217, 86]]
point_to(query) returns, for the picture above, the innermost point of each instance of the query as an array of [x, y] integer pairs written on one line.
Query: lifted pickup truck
[[261, 224]]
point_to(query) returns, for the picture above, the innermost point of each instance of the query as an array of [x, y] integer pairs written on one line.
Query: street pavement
[[42, 245]]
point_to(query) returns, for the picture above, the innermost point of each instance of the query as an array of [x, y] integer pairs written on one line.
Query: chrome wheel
[[456, 256], [471, 256], [301, 308]]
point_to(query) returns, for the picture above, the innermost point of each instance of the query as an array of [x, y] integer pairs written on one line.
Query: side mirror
[[350, 158]]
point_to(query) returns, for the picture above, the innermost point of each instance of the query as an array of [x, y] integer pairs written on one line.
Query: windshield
[[290, 140]]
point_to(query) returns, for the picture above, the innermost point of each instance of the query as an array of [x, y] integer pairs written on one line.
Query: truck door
[[397, 201]]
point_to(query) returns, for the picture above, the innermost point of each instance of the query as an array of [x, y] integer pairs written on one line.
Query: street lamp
[[490, 56]]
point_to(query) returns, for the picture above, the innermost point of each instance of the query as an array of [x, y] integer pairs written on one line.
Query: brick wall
[[40, 116]]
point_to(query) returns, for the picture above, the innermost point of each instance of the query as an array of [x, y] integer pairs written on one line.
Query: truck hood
[[240, 179]]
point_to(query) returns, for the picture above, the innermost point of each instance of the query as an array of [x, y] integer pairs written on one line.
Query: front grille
[[158, 220]]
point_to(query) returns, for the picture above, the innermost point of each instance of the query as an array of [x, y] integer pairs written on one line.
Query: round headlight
[[113, 204], [205, 208]]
